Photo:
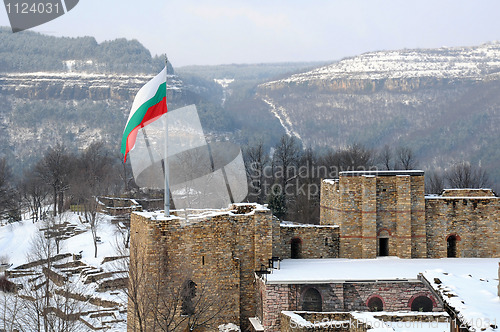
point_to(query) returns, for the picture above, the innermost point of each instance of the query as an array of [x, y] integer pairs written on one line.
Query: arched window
[[188, 294], [422, 304], [296, 247], [451, 246], [375, 304], [312, 300]]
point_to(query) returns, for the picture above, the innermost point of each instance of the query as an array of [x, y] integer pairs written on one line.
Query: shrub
[[6, 285]]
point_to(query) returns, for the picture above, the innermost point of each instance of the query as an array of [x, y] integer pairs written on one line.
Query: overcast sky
[[199, 32]]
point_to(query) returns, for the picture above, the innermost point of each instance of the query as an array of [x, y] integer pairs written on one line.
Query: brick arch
[[455, 235], [375, 296], [314, 290], [429, 295], [384, 229]]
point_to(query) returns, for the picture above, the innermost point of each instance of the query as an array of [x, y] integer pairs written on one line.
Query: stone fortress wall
[[386, 213], [227, 252]]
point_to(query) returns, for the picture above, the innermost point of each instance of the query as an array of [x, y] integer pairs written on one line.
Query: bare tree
[[4, 185], [405, 158], [465, 175], [355, 157], [163, 297], [54, 169], [141, 293], [34, 192], [286, 157], [256, 160], [9, 201], [285, 165], [125, 173], [46, 302], [90, 179], [305, 204], [10, 306], [434, 183], [386, 157]]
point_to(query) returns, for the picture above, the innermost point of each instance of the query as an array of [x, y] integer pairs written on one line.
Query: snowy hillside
[[442, 103], [459, 62], [88, 287]]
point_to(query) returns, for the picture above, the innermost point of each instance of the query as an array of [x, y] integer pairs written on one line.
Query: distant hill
[[29, 51], [75, 91], [443, 103], [248, 72]]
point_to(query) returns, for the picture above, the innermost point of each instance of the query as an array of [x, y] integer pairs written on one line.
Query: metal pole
[[167, 189]]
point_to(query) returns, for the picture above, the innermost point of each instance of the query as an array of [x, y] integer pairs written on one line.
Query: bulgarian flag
[[150, 103]]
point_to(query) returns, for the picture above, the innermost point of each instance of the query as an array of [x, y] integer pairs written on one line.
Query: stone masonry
[[471, 216], [314, 241], [386, 213], [369, 206], [219, 251], [343, 297], [225, 254]]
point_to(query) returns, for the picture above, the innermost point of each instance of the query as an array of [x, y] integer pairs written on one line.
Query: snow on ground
[[383, 268], [16, 242], [16, 239], [472, 293]]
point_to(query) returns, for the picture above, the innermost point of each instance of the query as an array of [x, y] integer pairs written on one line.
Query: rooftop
[[195, 215], [383, 173], [337, 270], [472, 295]]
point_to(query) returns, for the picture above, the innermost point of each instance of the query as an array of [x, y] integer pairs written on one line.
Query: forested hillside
[[30, 51]]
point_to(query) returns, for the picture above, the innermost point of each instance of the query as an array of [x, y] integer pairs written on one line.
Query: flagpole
[[167, 189]]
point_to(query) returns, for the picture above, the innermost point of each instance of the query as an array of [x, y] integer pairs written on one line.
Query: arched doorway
[[188, 294], [311, 300], [451, 246], [375, 303], [296, 247], [422, 304]]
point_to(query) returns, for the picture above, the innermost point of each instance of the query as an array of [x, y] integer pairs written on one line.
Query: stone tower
[[216, 251], [380, 213]]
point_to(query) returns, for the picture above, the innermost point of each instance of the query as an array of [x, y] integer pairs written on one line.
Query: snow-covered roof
[[330, 181], [471, 294], [293, 224], [335, 270], [196, 215], [382, 173], [460, 197]]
